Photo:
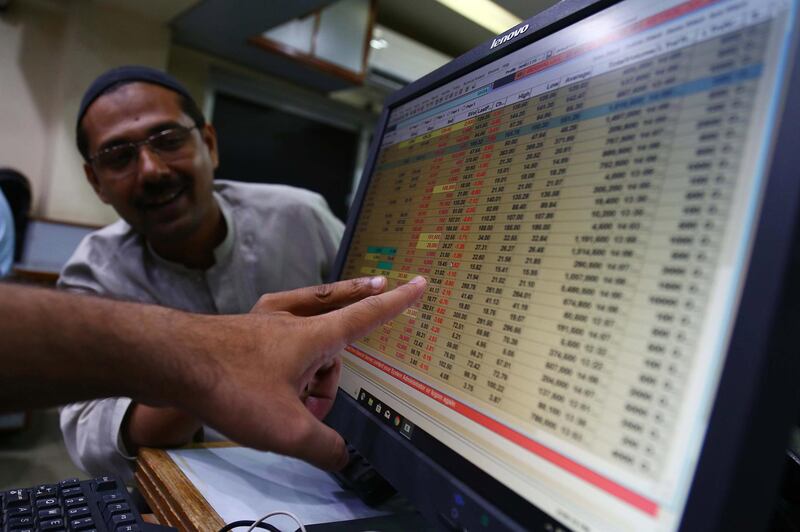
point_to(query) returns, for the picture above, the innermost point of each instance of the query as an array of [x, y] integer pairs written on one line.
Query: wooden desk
[[24, 275], [177, 502], [172, 498]]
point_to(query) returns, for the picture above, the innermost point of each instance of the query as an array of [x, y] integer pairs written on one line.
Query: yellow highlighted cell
[[428, 240], [433, 134], [399, 276], [447, 187], [430, 237]]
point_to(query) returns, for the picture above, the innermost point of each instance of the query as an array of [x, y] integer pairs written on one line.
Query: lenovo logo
[[509, 36]]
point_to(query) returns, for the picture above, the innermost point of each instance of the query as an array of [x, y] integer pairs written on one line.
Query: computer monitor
[[604, 200]]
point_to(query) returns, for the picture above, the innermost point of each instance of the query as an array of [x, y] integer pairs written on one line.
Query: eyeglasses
[[120, 161]]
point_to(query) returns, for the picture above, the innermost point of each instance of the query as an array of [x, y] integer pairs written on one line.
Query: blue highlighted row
[[381, 250]]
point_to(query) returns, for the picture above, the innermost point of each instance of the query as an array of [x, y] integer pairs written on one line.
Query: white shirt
[[278, 238]]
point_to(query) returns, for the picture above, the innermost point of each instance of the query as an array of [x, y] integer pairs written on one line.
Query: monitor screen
[[583, 207]]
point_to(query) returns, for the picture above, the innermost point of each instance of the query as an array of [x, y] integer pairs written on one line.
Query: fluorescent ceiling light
[[379, 44], [484, 13]]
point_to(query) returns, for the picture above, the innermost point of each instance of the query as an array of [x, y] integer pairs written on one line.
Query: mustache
[[153, 191]]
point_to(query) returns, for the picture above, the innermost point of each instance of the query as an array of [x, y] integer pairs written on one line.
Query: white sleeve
[[330, 230], [79, 276], [91, 431]]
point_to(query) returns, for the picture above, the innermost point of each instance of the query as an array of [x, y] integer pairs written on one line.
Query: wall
[[29, 33], [50, 50]]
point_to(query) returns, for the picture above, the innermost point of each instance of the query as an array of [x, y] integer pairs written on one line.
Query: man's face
[[164, 197]]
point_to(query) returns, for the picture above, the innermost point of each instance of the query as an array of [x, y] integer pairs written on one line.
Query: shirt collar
[[221, 252]]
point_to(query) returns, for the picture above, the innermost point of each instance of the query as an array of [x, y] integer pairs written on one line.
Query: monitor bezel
[[728, 490]]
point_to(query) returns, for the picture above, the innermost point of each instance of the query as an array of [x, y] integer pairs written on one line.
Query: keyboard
[[101, 504]]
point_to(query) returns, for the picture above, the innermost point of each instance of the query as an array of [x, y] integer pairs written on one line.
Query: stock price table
[[570, 239]]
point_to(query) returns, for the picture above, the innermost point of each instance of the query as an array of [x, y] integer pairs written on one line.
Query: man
[[262, 389], [184, 241]]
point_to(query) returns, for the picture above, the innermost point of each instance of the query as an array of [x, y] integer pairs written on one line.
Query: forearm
[[263, 379], [57, 348], [148, 426]]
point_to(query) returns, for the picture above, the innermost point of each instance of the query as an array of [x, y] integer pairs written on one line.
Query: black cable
[[237, 524]]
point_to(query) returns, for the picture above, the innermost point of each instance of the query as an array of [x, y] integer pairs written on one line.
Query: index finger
[[357, 320], [314, 300]]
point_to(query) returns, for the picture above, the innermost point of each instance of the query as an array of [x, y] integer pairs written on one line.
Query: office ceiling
[[158, 10], [221, 27]]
